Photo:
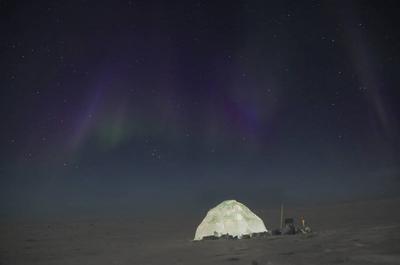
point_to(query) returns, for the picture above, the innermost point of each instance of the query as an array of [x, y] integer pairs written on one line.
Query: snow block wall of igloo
[[232, 218]]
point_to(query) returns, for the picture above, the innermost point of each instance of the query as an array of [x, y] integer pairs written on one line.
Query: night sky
[[120, 106]]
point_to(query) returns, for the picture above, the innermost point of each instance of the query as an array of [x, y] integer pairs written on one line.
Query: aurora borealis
[[107, 106]]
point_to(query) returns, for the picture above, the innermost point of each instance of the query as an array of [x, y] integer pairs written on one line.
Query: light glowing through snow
[[232, 218]]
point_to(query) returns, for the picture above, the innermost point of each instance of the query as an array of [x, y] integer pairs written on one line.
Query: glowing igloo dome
[[232, 218]]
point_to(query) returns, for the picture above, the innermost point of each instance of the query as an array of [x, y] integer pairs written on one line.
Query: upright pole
[[281, 215]]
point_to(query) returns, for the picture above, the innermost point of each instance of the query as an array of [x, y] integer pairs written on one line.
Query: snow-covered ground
[[349, 233]]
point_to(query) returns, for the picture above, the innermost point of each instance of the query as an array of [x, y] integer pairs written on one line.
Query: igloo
[[232, 218]]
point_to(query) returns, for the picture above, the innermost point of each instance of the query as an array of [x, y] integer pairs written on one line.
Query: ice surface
[[229, 217]]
